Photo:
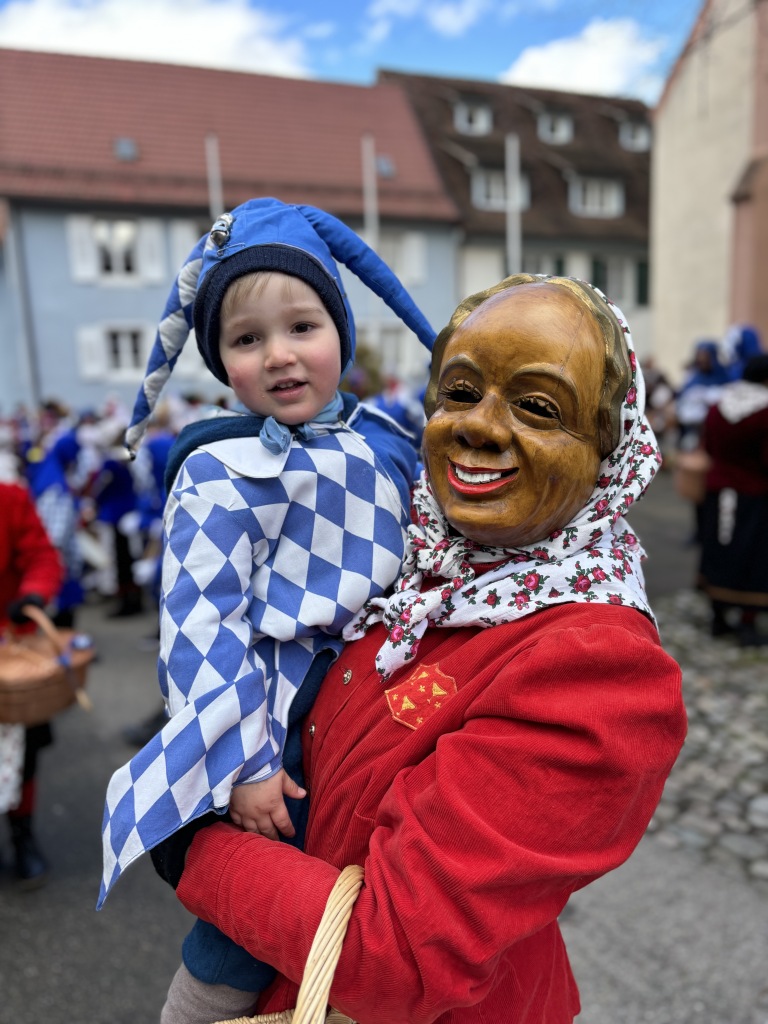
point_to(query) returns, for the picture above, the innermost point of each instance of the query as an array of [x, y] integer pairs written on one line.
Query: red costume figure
[[31, 572]]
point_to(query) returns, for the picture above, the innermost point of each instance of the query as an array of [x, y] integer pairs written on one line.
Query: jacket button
[[311, 729], [347, 676]]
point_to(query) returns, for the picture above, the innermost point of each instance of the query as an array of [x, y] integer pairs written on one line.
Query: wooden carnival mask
[[520, 412]]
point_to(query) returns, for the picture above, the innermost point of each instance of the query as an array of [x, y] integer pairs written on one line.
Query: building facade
[[545, 182], [709, 184], [111, 170]]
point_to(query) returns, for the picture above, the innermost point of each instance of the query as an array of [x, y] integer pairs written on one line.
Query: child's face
[[280, 348]]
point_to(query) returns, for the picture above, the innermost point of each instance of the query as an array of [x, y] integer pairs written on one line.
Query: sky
[[622, 48]]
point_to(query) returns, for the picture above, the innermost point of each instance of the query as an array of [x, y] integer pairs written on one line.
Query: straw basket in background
[[312, 1003], [689, 474], [42, 673]]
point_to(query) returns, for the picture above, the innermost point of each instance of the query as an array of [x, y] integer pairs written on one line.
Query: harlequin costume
[[497, 737], [273, 540]]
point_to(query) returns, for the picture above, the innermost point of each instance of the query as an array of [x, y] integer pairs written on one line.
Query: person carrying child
[[281, 522]]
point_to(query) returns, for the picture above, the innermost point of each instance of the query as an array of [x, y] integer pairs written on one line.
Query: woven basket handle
[[324, 954], [38, 616], [326, 947]]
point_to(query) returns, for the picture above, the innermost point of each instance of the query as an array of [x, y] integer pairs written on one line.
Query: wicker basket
[[43, 673], [312, 1002], [689, 474]]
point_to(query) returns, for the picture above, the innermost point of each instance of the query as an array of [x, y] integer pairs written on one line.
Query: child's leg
[[190, 1001], [214, 959]]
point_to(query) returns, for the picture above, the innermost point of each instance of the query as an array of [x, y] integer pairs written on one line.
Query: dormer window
[[125, 149], [385, 166], [489, 190], [473, 117], [635, 136], [555, 128], [595, 197]]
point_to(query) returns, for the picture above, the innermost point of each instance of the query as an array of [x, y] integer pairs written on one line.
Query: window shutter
[[151, 251], [183, 235], [413, 258], [83, 254], [91, 353]]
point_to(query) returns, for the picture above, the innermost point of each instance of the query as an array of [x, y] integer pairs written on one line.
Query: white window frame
[[543, 263], [117, 246], [406, 253], [635, 136], [473, 117], [147, 264], [183, 235], [114, 352], [596, 197], [488, 189], [555, 127]]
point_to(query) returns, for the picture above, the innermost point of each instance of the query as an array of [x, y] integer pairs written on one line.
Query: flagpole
[[371, 220], [512, 183], [213, 171]]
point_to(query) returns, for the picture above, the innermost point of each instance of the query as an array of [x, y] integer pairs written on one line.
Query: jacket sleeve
[[35, 559], [550, 782]]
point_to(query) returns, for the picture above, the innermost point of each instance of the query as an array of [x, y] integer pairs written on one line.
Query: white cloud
[[449, 18], [209, 33], [320, 30], [610, 58], [382, 15], [515, 8], [452, 19]]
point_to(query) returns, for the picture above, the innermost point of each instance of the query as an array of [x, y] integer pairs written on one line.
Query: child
[[280, 523]]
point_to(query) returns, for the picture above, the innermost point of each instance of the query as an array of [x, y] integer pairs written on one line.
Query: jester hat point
[[265, 234]]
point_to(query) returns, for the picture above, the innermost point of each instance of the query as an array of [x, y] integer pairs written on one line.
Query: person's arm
[[550, 783], [35, 559]]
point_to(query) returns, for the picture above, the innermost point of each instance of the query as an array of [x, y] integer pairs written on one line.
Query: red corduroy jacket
[[474, 822]]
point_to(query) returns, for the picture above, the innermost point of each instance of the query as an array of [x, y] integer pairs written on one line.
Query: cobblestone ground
[[715, 802]]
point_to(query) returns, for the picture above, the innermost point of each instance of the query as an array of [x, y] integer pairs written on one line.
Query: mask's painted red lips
[[478, 481]]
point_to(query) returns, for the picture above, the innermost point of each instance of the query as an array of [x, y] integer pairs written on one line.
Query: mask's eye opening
[[538, 407], [461, 391]]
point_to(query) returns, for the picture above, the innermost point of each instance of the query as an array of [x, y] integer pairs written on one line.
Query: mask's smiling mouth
[[478, 481]]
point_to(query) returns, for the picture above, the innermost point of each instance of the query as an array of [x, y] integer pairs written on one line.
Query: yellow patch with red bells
[[418, 697]]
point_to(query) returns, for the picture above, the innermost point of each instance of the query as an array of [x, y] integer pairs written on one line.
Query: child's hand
[[259, 806]]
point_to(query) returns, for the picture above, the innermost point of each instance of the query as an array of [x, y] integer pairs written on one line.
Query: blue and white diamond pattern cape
[[266, 558]]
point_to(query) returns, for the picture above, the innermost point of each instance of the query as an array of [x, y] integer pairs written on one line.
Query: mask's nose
[[488, 424]]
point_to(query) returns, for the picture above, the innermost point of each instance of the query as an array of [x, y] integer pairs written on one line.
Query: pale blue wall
[[59, 306]]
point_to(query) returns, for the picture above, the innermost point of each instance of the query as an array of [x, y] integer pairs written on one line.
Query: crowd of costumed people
[[103, 511]]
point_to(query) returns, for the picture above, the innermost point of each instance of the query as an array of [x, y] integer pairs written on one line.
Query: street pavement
[[665, 939]]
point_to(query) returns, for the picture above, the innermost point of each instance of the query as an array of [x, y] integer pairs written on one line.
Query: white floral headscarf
[[594, 559]]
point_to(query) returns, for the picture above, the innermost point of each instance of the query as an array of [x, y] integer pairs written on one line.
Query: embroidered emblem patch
[[419, 696]]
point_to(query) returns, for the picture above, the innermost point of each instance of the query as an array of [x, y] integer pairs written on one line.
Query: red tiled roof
[[295, 139]]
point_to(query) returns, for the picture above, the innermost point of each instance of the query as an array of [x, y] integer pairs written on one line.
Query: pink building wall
[[749, 263]]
